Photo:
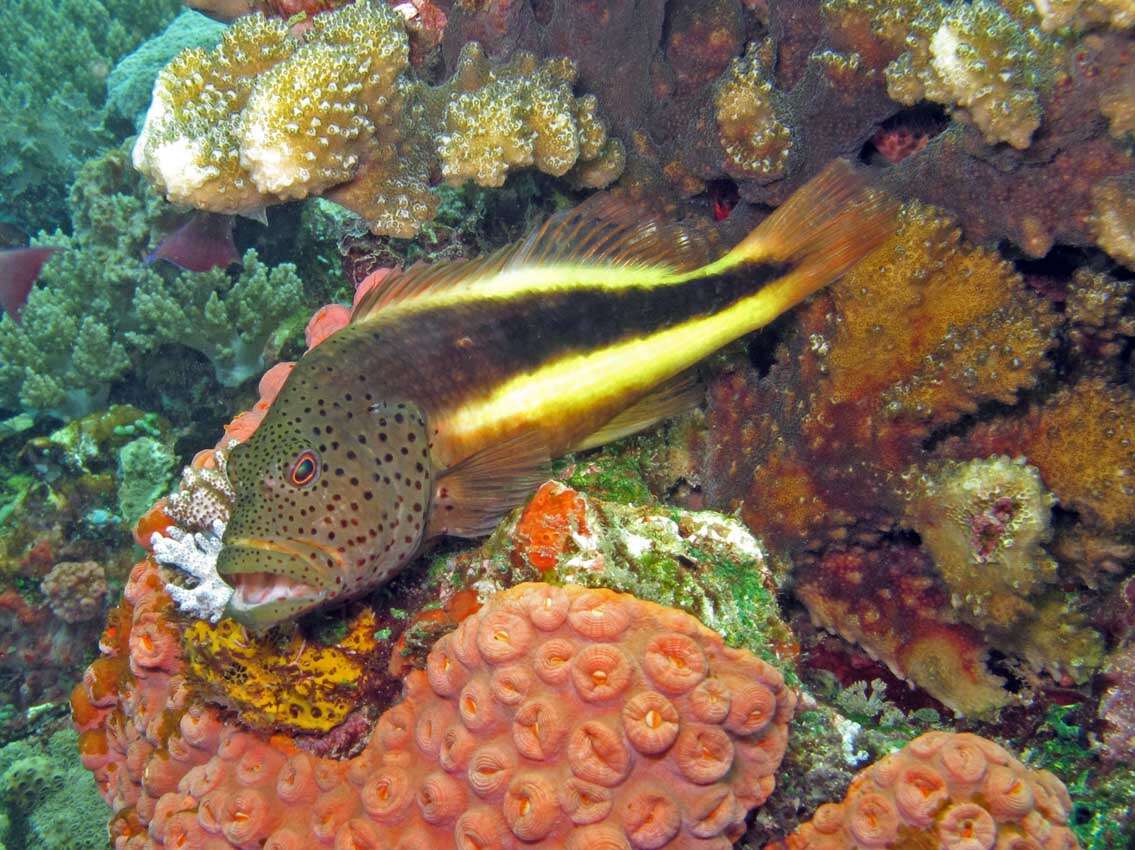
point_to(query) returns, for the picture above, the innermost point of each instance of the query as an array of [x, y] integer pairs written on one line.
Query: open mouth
[[252, 589]]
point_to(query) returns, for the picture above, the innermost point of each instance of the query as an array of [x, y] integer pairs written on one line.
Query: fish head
[[332, 495]]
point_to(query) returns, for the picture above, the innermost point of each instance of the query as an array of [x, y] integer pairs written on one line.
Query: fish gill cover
[[861, 579]]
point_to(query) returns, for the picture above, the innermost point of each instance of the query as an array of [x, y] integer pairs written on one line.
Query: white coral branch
[[196, 556]]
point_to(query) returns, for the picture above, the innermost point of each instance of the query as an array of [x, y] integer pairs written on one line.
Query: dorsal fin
[[609, 231], [601, 231], [429, 277]]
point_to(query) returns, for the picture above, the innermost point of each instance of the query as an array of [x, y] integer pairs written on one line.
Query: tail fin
[[825, 228]]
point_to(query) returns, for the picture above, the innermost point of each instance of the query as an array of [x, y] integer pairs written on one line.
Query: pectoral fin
[[471, 497]]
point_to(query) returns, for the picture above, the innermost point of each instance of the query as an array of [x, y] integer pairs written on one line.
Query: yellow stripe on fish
[[567, 387], [437, 409]]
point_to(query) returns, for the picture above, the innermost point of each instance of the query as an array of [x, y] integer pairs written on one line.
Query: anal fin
[[471, 497], [671, 398]]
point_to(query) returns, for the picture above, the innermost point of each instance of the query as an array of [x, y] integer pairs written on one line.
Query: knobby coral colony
[[269, 116]]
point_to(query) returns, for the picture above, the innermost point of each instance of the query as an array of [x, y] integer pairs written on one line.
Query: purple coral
[[1117, 708], [75, 590]]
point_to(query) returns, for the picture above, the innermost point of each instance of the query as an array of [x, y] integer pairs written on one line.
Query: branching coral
[[231, 321], [270, 115], [99, 308], [953, 791]]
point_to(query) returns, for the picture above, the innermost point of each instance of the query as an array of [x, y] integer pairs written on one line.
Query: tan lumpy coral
[[274, 113], [1083, 14], [953, 791], [749, 125], [190, 144], [267, 116], [976, 59], [1113, 220], [516, 115], [985, 522], [75, 590]]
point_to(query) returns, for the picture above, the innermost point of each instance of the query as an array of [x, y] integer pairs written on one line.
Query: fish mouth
[[256, 584]]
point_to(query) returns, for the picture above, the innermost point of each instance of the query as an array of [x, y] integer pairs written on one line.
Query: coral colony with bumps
[[355, 508]]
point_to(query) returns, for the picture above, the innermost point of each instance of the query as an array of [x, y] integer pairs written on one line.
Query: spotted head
[[332, 496]]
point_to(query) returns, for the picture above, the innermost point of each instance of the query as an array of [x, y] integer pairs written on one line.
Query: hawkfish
[[438, 407]]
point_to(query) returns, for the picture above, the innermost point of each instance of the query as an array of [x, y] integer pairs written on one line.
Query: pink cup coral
[[948, 791], [574, 717]]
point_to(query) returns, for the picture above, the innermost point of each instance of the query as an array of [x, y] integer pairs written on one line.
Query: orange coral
[[546, 526], [565, 715], [326, 320], [953, 791], [1083, 442], [933, 326]]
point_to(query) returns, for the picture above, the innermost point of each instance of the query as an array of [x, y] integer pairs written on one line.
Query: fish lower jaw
[[252, 589]]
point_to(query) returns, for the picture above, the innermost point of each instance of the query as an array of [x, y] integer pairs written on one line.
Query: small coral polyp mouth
[[262, 588]]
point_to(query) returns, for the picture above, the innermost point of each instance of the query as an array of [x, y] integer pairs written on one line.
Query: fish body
[[19, 270], [438, 407], [203, 243]]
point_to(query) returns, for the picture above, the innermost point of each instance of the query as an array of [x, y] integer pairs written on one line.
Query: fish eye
[[305, 468]]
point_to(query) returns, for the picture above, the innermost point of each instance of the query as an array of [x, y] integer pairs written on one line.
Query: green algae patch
[[1101, 794]]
